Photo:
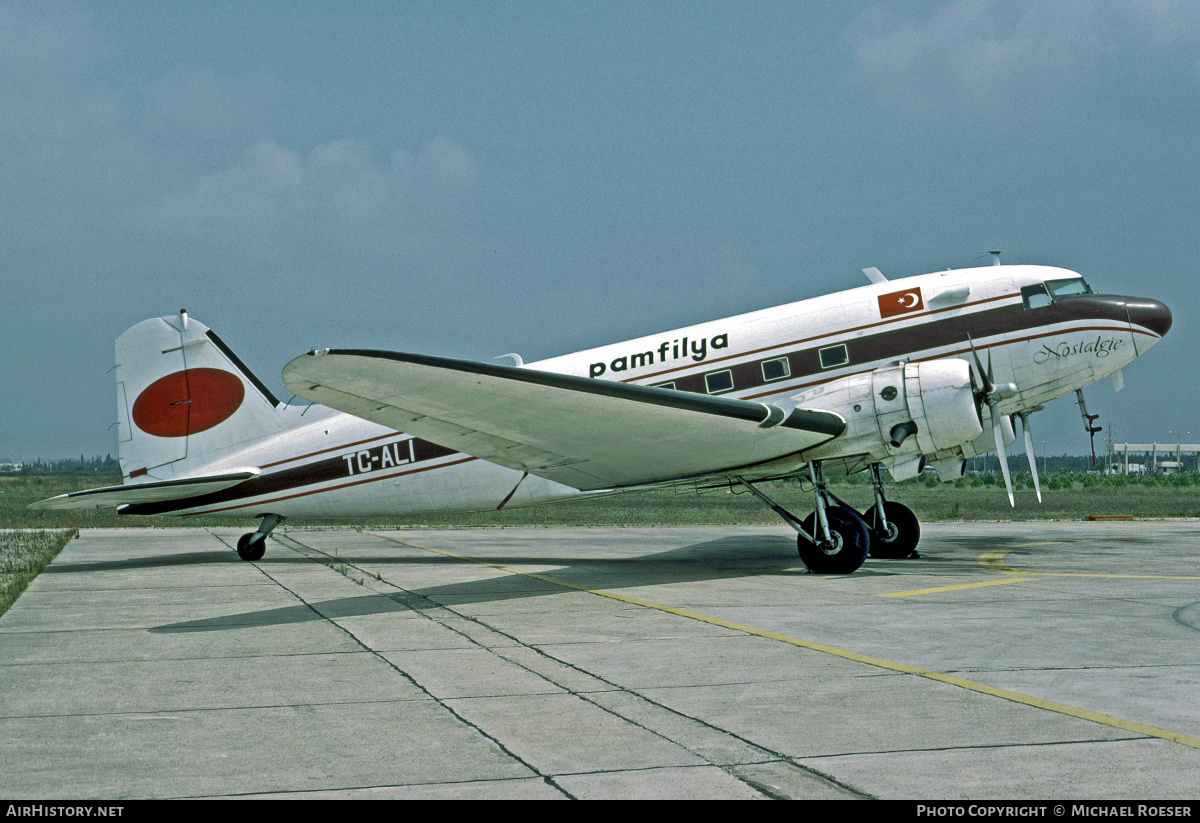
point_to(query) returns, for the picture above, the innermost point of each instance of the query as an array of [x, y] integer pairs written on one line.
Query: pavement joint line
[[981, 747], [846, 654], [121, 660], [185, 710], [772, 756], [548, 779], [361, 788], [498, 652]]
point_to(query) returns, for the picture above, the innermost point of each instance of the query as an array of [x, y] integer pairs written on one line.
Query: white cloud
[[190, 154], [50, 108], [274, 198], [988, 54], [206, 104], [46, 40]]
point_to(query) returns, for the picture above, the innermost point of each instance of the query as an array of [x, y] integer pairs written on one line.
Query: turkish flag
[[900, 302]]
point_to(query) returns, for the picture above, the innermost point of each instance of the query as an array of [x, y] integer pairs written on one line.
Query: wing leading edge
[[585, 433]]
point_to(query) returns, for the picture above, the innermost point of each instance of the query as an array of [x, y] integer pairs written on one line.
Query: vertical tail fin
[[184, 400]]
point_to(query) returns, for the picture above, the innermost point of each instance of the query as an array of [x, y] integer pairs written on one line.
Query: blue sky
[[474, 178]]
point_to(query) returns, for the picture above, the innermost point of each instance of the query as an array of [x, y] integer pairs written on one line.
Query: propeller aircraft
[[892, 376]]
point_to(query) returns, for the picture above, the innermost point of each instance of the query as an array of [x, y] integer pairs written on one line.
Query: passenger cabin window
[[776, 369], [833, 356], [668, 385], [718, 382]]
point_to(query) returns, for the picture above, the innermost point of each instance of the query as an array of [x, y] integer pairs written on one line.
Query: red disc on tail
[[188, 402]]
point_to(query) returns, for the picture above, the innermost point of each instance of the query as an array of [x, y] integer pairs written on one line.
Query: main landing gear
[[253, 545], [835, 539], [894, 529]]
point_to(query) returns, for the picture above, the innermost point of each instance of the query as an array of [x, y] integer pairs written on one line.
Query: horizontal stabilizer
[[153, 492], [582, 432]]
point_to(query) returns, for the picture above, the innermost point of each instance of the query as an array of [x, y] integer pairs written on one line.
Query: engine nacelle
[[941, 400], [904, 410]]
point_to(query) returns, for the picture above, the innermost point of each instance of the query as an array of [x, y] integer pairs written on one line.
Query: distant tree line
[[1072, 464], [984, 464], [96, 463]]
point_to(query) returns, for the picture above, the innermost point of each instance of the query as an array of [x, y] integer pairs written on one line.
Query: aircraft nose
[[1149, 314]]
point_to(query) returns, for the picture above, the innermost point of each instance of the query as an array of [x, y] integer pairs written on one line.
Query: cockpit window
[[1062, 288], [1035, 296], [1043, 294]]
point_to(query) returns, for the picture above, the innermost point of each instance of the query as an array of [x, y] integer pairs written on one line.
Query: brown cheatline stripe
[[913, 339], [330, 449], [371, 479], [872, 348], [850, 330], [981, 347]]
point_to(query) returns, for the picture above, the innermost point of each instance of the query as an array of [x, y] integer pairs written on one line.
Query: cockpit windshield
[[1043, 294], [1062, 288]]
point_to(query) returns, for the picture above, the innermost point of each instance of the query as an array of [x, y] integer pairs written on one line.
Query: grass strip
[[23, 555]]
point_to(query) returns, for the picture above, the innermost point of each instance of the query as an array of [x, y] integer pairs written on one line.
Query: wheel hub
[[833, 545]]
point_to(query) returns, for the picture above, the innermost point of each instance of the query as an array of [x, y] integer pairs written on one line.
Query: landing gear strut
[[831, 540], [835, 538], [894, 529], [253, 545]]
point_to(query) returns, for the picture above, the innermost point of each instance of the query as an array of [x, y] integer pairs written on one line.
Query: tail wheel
[[901, 536], [849, 540], [250, 549]]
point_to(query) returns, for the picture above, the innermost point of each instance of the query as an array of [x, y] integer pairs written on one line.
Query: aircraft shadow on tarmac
[[725, 559], [129, 563]]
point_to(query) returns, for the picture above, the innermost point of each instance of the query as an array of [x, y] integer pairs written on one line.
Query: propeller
[[992, 394], [1037, 487]]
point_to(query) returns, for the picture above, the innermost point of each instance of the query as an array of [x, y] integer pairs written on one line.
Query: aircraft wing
[[152, 492], [585, 433]]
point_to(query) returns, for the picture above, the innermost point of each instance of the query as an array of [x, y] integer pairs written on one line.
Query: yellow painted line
[[845, 654], [994, 561], [939, 589]]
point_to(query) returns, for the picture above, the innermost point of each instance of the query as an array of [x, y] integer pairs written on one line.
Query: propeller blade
[[1037, 487], [984, 378], [998, 432]]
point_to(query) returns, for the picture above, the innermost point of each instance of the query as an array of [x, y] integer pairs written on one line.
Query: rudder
[[184, 400]]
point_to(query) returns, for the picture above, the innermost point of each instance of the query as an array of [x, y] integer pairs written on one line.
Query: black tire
[[250, 549], [851, 540], [903, 533]]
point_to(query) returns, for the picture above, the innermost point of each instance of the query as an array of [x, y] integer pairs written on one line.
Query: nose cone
[[1152, 315]]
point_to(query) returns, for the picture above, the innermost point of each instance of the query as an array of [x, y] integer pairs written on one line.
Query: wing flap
[[588, 434], [152, 492]]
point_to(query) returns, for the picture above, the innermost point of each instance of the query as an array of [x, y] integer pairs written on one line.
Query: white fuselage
[[325, 463]]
